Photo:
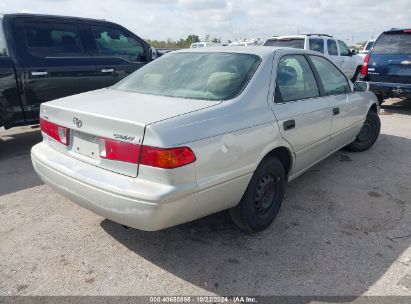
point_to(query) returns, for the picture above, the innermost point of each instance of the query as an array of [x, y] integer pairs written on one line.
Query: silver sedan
[[199, 131]]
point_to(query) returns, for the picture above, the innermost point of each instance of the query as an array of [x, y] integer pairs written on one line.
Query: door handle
[[39, 73], [289, 124], [108, 70], [336, 111]]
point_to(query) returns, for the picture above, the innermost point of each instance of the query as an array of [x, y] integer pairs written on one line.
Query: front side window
[[333, 79], [332, 47], [114, 43], [193, 75], [3, 49], [316, 45], [52, 39], [297, 43], [344, 50], [295, 79]]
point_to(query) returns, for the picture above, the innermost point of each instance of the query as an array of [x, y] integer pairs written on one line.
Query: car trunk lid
[[114, 115]]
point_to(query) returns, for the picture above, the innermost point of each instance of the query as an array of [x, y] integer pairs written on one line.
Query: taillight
[[119, 150], [169, 158], [364, 69], [59, 133], [407, 31], [166, 158]]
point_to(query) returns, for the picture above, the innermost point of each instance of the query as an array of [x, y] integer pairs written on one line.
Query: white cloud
[[351, 20]]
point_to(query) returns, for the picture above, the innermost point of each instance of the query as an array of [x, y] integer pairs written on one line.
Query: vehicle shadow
[[343, 224], [16, 170], [397, 106]]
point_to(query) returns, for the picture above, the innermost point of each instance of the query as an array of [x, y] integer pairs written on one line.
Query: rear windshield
[[3, 49], [205, 76], [398, 43], [297, 43]]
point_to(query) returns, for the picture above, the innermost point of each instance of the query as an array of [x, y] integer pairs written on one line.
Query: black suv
[[47, 57], [388, 66]]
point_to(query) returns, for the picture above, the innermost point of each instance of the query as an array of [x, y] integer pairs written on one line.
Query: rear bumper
[[134, 202], [387, 90]]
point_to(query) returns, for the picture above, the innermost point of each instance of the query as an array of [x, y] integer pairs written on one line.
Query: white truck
[[336, 50]]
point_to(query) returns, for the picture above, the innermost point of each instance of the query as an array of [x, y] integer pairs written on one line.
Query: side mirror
[[153, 53], [361, 86], [353, 52]]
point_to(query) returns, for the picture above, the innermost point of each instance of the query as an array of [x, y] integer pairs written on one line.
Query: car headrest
[[287, 76], [223, 83]]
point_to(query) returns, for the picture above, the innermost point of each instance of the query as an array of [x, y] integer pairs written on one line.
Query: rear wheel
[[262, 200], [368, 134]]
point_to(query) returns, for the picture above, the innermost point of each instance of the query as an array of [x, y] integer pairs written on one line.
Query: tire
[[368, 134], [262, 199], [357, 72]]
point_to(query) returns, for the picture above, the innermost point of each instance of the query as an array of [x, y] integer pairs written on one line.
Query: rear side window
[[344, 50], [52, 39], [316, 45], [333, 79], [116, 43], [295, 79], [398, 43], [332, 47], [3, 49], [297, 43]]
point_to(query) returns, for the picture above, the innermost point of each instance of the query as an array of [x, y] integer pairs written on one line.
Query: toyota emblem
[[77, 122]]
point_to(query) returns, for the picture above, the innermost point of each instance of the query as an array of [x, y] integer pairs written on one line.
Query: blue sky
[[349, 20]]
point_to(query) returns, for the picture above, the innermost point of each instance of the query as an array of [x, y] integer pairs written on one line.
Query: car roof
[[397, 30], [16, 15], [261, 51], [302, 36]]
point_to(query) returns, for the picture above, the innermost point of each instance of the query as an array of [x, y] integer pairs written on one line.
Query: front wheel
[[262, 200], [368, 134]]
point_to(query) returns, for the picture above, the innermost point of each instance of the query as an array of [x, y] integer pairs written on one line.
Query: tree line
[[181, 43]]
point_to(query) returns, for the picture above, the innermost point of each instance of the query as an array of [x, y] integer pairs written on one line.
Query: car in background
[[44, 57], [203, 130], [196, 45], [335, 50], [246, 42], [387, 67], [367, 48]]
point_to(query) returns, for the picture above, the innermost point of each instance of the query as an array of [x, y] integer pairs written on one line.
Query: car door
[[304, 117], [117, 52], [347, 107], [54, 60], [349, 64]]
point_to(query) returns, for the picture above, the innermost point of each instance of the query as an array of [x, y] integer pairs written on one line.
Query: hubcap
[[266, 191], [366, 132]]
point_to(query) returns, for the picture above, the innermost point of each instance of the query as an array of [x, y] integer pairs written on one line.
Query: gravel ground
[[344, 229]]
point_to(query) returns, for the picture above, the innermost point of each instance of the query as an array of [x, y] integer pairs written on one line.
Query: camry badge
[[77, 122]]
